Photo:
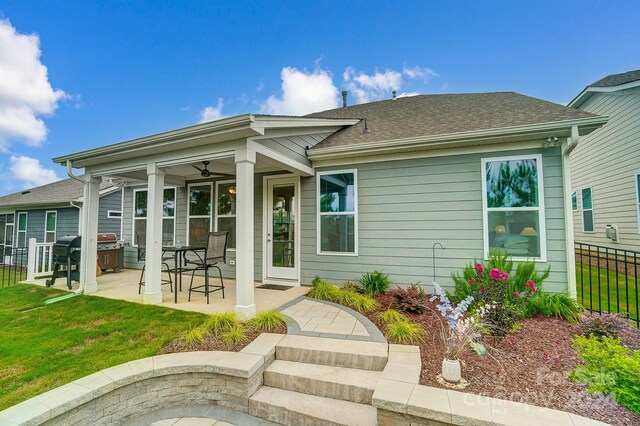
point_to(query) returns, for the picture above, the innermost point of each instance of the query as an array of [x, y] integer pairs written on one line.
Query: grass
[[607, 299], [267, 320], [43, 347]]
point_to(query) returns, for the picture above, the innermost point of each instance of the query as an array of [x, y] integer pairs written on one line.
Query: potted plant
[[458, 334]]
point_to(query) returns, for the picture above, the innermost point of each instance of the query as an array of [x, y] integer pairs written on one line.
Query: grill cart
[[110, 252], [66, 259]]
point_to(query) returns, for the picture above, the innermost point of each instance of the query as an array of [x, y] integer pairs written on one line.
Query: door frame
[[265, 225]]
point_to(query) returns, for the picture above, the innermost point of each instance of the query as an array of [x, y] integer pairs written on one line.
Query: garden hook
[[433, 257]]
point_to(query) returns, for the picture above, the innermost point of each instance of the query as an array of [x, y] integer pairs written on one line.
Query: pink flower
[[471, 282], [531, 286], [516, 295], [504, 276], [479, 269], [495, 274]]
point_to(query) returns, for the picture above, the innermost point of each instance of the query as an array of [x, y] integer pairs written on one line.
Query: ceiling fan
[[204, 172]]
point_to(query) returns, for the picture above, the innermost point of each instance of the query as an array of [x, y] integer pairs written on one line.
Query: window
[[337, 213], [226, 210], [22, 229], [513, 206], [51, 219], [587, 210], [574, 201], [140, 197], [199, 214], [114, 214]]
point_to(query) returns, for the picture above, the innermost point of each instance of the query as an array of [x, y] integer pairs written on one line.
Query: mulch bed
[[528, 366], [213, 343]]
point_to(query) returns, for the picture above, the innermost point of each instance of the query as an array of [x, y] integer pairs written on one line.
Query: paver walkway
[[325, 319]]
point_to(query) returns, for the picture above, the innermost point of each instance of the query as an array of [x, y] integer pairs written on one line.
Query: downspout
[[567, 148]]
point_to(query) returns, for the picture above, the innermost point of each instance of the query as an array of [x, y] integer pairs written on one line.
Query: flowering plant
[[460, 332]]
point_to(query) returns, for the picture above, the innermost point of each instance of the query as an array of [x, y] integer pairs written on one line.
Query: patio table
[[178, 260]]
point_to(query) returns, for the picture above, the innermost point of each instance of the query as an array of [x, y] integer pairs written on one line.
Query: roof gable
[[59, 192]]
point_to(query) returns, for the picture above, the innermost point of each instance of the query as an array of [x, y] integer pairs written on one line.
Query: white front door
[[281, 210]]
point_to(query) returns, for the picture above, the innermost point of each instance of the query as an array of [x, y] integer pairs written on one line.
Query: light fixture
[[500, 229], [232, 190], [528, 231]]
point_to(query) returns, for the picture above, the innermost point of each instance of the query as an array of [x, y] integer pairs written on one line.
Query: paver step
[[349, 384], [293, 408], [334, 352]]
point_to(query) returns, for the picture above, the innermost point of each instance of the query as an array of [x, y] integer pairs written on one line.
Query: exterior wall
[[112, 201], [66, 223], [607, 161], [406, 206]]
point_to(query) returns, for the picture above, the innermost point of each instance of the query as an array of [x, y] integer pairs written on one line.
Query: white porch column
[[89, 249], [567, 147], [153, 256], [245, 161]]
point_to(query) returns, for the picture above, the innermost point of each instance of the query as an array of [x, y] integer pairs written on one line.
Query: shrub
[[558, 305], [220, 323], [374, 283], [345, 297], [325, 291], [412, 299], [193, 337], [404, 332], [351, 286], [235, 335], [322, 290], [362, 303], [605, 325], [267, 320], [609, 368], [391, 315]]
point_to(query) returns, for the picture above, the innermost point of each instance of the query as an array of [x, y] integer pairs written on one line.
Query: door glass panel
[[198, 230], [283, 247]]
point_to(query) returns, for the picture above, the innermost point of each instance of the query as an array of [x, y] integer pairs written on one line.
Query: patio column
[[89, 232], [153, 256], [245, 160]]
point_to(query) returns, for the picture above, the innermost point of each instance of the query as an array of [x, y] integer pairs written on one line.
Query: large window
[[337, 213], [51, 219], [22, 229], [199, 214], [226, 210], [513, 206], [140, 197], [587, 210]]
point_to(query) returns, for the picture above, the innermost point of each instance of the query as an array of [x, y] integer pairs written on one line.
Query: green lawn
[[45, 346], [617, 296]]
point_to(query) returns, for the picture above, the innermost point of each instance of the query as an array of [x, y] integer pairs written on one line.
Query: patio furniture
[[179, 259], [216, 252], [142, 253], [66, 260]]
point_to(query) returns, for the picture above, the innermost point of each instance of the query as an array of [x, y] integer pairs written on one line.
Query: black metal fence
[[13, 265], [607, 280]]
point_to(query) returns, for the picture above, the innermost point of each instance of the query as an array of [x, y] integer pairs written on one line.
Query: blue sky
[[118, 70]]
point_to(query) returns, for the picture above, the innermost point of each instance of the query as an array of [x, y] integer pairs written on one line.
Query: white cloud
[[367, 88], [211, 113], [25, 91], [419, 72], [302, 93], [31, 172]]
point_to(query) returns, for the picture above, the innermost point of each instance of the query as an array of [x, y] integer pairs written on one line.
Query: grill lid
[[71, 241], [107, 237]]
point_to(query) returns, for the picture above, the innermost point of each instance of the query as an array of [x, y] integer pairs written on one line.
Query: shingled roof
[[617, 79], [60, 192], [431, 115]]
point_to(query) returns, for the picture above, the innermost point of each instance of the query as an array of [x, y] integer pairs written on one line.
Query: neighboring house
[[51, 211], [605, 167], [349, 190]]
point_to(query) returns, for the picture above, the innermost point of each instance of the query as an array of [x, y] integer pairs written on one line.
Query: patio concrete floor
[[124, 286]]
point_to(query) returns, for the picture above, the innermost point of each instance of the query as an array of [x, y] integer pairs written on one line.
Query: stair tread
[[346, 376], [335, 345], [332, 411]]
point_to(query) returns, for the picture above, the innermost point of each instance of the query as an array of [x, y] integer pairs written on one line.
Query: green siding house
[[341, 192]]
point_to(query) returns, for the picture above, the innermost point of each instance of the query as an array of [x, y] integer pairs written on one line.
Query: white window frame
[[174, 217], [577, 208], [111, 213], [354, 213], [190, 216], [542, 232], [637, 199], [55, 228], [593, 219], [26, 227], [215, 212]]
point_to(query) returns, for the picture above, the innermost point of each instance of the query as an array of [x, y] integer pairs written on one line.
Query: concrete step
[[349, 384], [293, 408], [333, 352]]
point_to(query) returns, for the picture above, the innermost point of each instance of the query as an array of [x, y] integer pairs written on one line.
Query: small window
[[168, 215], [114, 214], [337, 213], [199, 214], [574, 201], [51, 221], [226, 210], [587, 210], [22, 229]]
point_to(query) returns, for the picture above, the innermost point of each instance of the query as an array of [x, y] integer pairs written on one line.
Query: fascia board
[[586, 93]]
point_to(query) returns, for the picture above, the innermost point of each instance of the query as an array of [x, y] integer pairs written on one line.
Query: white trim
[[55, 228], [122, 210], [18, 231], [593, 222], [215, 211], [174, 217], [211, 204], [354, 212], [288, 163], [575, 194], [542, 232], [111, 212], [589, 90], [637, 198]]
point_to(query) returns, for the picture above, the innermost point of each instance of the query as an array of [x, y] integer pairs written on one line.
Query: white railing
[[40, 260]]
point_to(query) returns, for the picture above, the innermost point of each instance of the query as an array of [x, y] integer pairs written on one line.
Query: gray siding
[[66, 224], [112, 201], [404, 207], [294, 147], [607, 161]]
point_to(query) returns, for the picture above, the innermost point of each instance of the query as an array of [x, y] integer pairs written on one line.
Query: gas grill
[[110, 252], [66, 260]]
